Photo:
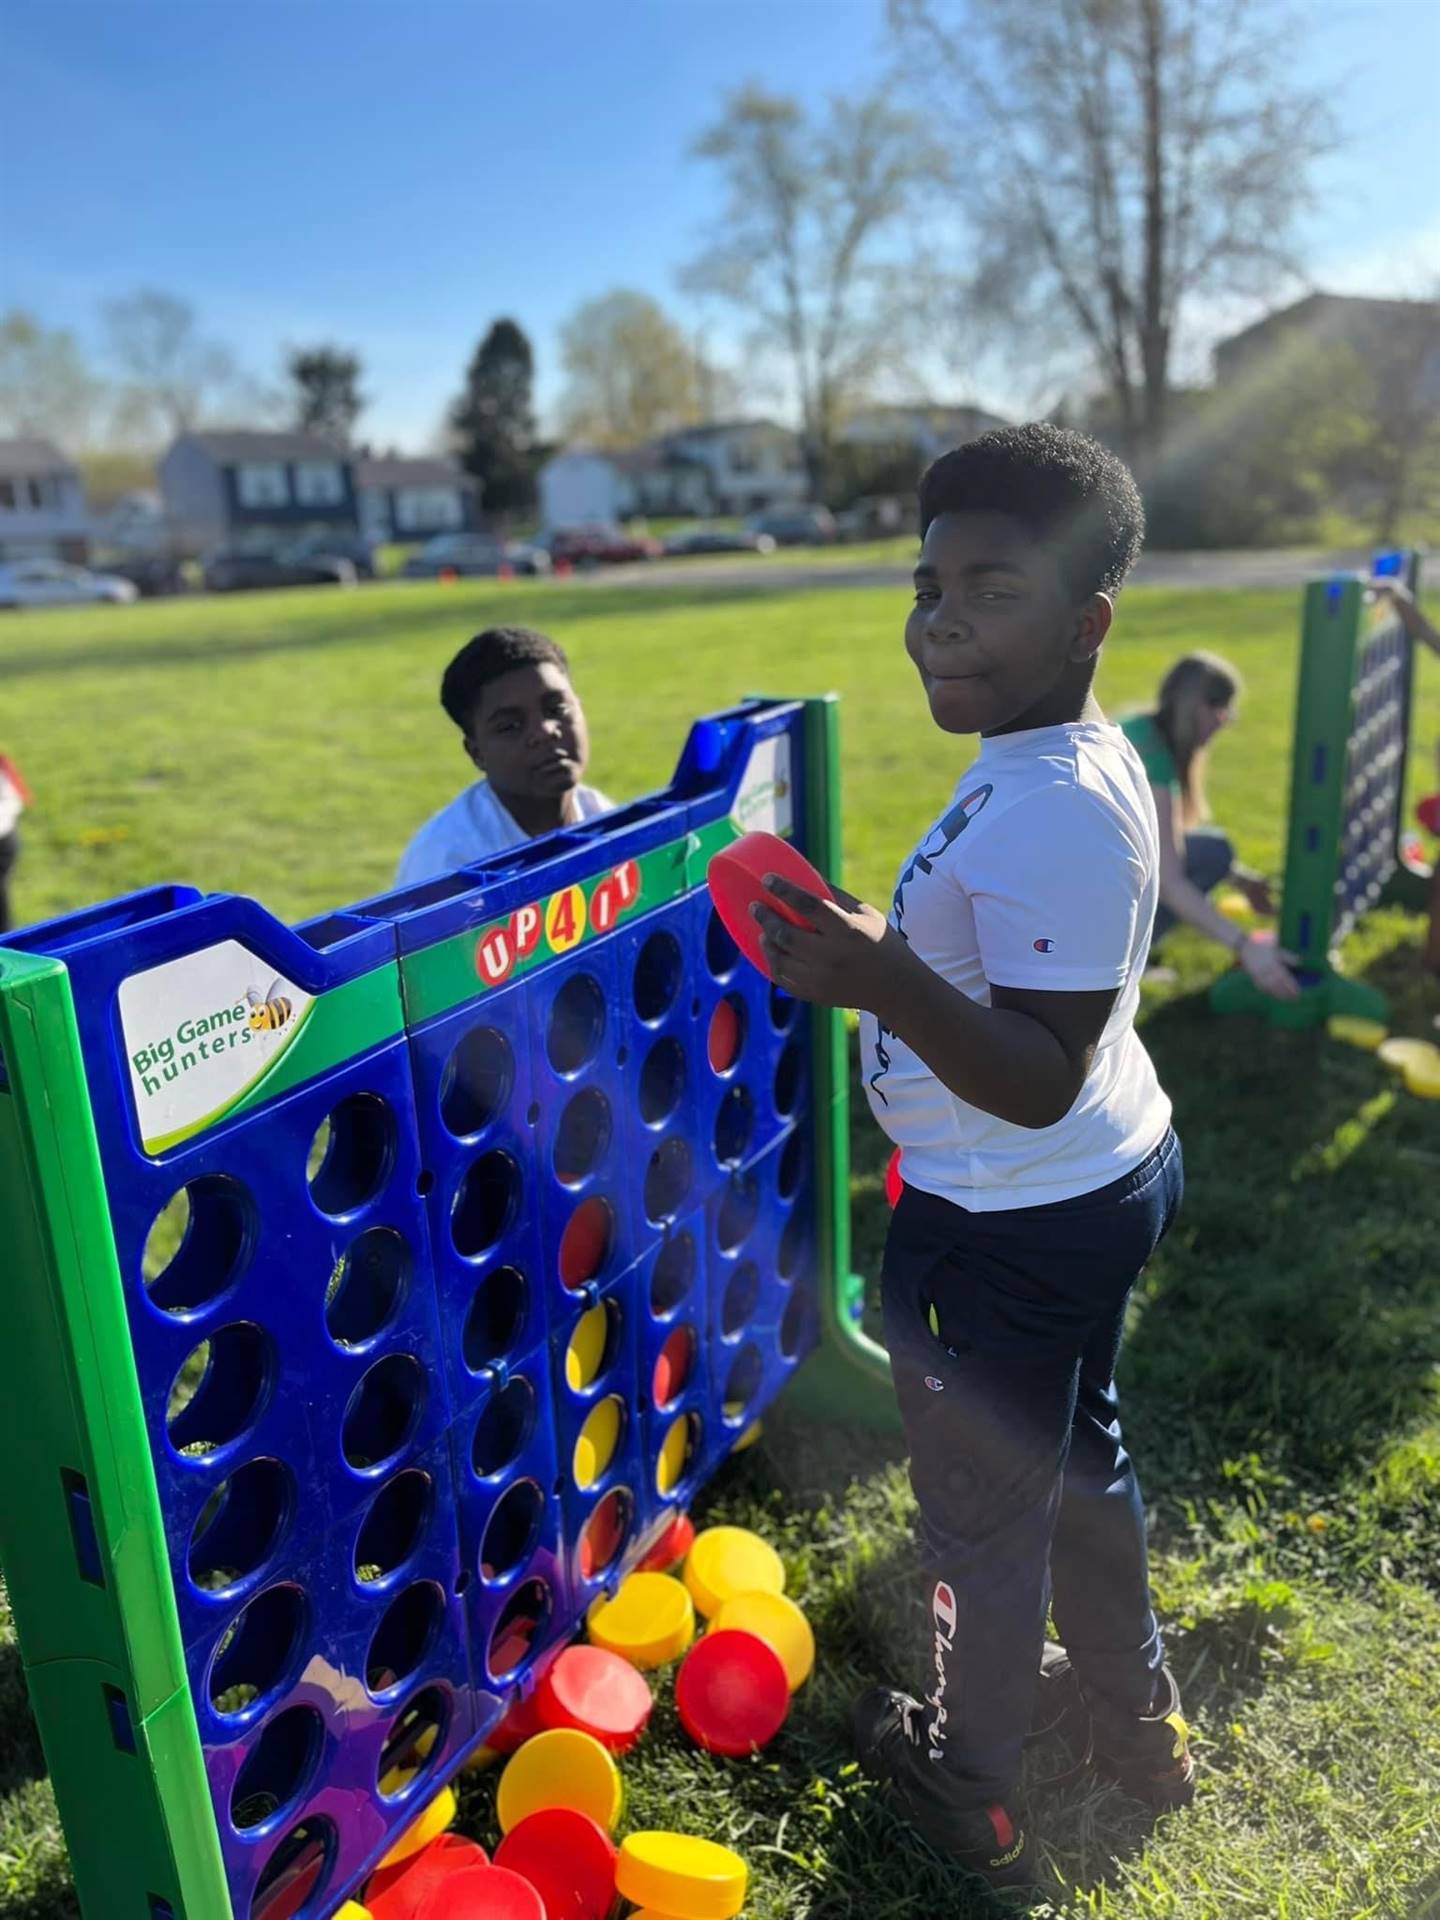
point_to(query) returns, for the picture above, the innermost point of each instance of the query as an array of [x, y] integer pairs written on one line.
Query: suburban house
[[730, 467], [1402, 337], [42, 504], [929, 429], [248, 489], [413, 499]]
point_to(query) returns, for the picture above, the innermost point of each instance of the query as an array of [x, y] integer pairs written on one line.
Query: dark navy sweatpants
[[1003, 1331]]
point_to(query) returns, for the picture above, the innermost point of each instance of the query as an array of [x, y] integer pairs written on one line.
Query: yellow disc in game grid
[[437, 1818], [725, 1561], [779, 1623], [673, 1457], [599, 1437], [561, 1768], [681, 1876], [650, 1621], [586, 1352]]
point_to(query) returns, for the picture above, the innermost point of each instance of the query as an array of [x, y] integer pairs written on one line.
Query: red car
[[601, 546]]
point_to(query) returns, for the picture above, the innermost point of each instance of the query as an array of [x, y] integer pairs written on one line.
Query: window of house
[[743, 457], [7, 495], [42, 493], [417, 508], [319, 483], [262, 486]]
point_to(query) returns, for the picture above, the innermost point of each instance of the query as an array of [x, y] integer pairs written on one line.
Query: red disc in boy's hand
[[737, 881], [732, 1693]]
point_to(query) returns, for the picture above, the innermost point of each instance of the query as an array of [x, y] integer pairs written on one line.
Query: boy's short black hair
[[496, 651], [1066, 488]]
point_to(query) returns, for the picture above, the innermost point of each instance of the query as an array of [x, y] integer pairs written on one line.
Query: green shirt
[[1156, 758]]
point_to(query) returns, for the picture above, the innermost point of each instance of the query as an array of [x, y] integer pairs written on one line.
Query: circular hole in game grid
[[792, 1242], [795, 1324], [725, 1041], [296, 1872], [667, 1180], [673, 1367], [512, 1530], [496, 1317], [415, 1741], [277, 1769], [255, 1653], [404, 1636], [586, 1242], [503, 1429], [658, 972], [593, 1346], [368, 1286], [721, 952], [787, 1080], [582, 1137], [742, 1296], [577, 1024], [220, 1390], [598, 1442], [522, 1620], [662, 1082], [734, 1126], [351, 1154], [484, 1204], [792, 1166], [679, 1454], [393, 1526], [240, 1525], [738, 1212], [674, 1275], [742, 1384], [384, 1412], [198, 1244], [782, 1008], [477, 1082], [604, 1534]]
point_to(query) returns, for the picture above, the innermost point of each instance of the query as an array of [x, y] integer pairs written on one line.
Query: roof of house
[[228, 446], [32, 455], [393, 470], [1326, 307]]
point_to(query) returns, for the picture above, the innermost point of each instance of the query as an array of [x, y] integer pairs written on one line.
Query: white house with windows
[[42, 504], [729, 467], [403, 499], [234, 488]]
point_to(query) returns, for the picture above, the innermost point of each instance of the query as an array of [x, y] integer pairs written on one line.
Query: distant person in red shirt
[[13, 800]]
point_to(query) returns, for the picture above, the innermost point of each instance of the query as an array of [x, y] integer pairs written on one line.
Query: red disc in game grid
[[483, 1893], [567, 1858], [671, 1548], [598, 1692], [731, 1693]]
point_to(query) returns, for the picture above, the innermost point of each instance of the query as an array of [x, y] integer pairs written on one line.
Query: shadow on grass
[[21, 1756]]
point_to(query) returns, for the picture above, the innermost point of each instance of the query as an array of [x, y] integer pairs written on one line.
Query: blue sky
[[394, 175]]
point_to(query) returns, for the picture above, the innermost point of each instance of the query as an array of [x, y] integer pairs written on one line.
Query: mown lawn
[[1283, 1373]]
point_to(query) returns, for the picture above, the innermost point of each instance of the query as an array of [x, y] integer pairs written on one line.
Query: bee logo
[[270, 1014]]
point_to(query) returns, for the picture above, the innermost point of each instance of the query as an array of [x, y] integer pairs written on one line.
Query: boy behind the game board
[[1041, 1172]]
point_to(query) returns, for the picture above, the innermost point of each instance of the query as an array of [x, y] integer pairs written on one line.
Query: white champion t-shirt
[[472, 826], [1043, 873]]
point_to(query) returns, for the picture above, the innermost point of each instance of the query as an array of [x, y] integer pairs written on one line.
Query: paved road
[[1284, 570]]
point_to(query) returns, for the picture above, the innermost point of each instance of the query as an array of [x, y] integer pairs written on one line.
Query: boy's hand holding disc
[[817, 944]]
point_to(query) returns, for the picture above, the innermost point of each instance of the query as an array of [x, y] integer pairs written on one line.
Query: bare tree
[[170, 375], [1121, 159], [802, 248], [45, 385], [631, 372]]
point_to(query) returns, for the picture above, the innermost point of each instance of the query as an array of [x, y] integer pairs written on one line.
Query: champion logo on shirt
[[1043, 946]]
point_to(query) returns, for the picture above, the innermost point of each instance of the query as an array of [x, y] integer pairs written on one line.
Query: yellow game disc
[[747, 1438], [435, 1820], [730, 1560], [1402, 1053], [599, 1437], [1422, 1077], [779, 1623], [673, 1457], [681, 1876], [1356, 1032], [1233, 906], [400, 1777], [586, 1350], [650, 1621], [352, 1910], [561, 1768]]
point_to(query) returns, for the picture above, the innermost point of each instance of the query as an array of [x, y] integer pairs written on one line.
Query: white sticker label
[[765, 803], [199, 1032]]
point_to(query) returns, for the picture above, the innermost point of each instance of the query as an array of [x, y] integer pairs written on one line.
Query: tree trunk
[[1154, 330]]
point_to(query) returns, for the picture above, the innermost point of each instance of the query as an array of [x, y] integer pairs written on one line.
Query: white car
[[51, 583]]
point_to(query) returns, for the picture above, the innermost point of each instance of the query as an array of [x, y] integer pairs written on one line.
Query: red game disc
[[673, 1367], [599, 1693], [737, 881], [567, 1858], [731, 1693], [894, 1180], [671, 1548], [399, 1892], [483, 1893]]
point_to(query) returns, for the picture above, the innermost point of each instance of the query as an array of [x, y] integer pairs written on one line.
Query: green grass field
[[1282, 1378]]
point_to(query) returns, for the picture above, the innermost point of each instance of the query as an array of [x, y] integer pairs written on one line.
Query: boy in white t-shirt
[[1000, 1053], [508, 690]]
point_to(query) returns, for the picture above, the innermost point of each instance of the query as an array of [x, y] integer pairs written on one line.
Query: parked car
[[796, 526], [151, 574], [353, 547], [601, 546], [474, 556], [54, 583], [233, 569], [701, 539]]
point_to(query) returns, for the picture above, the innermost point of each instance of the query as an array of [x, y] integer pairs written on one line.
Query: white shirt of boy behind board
[[473, 826], [1043, 874]]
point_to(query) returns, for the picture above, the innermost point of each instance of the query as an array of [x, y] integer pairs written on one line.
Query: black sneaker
[[889, 1739], [1148, 1754]]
